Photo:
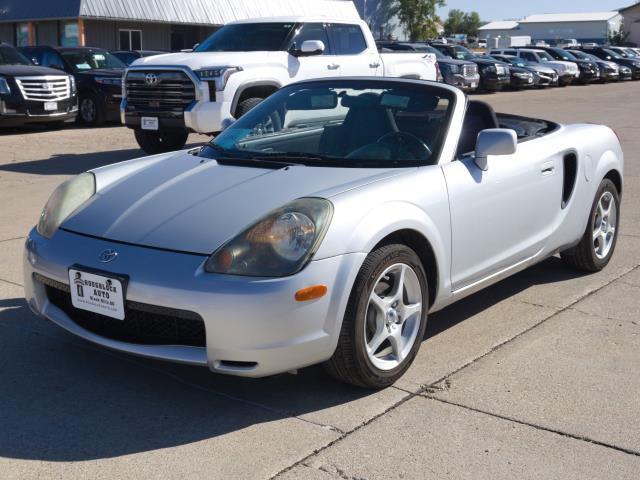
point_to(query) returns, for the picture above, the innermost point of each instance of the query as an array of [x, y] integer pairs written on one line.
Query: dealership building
[[168, 25], [593, 27]]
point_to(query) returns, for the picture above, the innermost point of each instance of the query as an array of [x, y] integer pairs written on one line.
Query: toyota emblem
[[151, 79], [107, 255]]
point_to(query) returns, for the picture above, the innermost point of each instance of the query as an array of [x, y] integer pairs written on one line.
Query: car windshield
[[11, 56], [439, 55], [248, 37], [564, 55], [518, 62], [82, 60], [462, 53], [347, 123], [612, 53], [545, 57], [580, 55]]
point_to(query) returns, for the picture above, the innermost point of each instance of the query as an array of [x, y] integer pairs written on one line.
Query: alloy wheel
[[604, 225]]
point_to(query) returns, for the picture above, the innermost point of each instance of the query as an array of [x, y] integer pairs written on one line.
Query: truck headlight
[[218, 75], [454, 69], [278, 245], [65, 200], [4, 87], [72, 81]]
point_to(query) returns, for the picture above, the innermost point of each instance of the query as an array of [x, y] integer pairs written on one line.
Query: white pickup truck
[[167, 96]]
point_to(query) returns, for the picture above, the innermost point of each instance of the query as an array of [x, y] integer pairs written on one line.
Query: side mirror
[[308, 48], [494, 141]]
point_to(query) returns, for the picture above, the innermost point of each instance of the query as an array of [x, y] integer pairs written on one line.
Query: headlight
[[490, 69], [4, 87], [218, 75], [72, 80], [522, 74], [65, 200], [109, 80], [278, 245], [454, 68]]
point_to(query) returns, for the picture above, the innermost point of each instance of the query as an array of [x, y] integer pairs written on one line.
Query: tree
[[619, 38], [461, 22], [419, 17]]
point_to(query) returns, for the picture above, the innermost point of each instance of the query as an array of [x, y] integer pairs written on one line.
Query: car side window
[[347, 39], [528, 56], [510, 52], [312, 31], [50, 58]]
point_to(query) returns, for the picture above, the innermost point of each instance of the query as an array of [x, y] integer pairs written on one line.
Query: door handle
[[374, 65], [333, 66], [547, 168]]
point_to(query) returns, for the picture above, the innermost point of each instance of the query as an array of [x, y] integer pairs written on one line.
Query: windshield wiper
[[303, 157]]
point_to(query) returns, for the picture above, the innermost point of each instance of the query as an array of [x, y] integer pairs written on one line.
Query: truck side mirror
[[308, 48], [494, 141]]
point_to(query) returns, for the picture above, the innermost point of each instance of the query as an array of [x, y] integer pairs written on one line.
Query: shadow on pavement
[[66, 400], [73, 164]]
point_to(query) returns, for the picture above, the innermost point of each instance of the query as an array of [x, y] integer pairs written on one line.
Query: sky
[[512, 10]]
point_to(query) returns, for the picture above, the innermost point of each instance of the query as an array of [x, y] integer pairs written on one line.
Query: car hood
[[198, 60], [539, 68], [102, 72], [181, 204], [453, 61], [28, 70]]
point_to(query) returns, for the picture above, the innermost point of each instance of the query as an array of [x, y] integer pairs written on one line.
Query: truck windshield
[[10, 56], [545, 57], [248, 37], [462, 53], [564, 55], [82, 60], [341, 123]]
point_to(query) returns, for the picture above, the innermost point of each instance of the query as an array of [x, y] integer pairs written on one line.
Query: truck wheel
[[161, 142], [385, 319], [247, 104], [90, 111], [598, 242]]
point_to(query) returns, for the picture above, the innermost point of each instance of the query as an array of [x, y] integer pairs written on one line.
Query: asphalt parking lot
[[536, 377]]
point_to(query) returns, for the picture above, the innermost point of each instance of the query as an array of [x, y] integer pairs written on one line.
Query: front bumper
[[493, 83], [462, 82], [254, 327], [522, 82], [21, 112]]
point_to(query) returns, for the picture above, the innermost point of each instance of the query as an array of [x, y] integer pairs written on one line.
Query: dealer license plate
[[50, 106], [149, 123], [474, 84], [97, 293]]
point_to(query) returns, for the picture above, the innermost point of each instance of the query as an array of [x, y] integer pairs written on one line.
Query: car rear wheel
[[598, 242], [385, 319], [161, 142]]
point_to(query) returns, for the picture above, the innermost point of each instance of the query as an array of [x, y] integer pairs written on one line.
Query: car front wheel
[[385, 319], [91, 112], [161, 142], [598, 242]]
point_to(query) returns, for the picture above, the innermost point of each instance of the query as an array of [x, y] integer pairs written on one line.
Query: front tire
[[161, 142], [247, 104], [385, 319], [90, 111], [598, 242]]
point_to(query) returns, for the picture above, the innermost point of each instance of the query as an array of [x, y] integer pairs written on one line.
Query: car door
[[503, 216], [352, 54], [315, 66]]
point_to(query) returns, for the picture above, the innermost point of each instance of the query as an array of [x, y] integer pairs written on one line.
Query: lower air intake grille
[[143, 324]]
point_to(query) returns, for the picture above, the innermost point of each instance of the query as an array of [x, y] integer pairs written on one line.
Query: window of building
[[69, 34], [347, 39], [130, 39], [22, 34]]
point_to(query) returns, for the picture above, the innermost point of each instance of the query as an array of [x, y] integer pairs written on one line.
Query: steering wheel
[[408, 142]]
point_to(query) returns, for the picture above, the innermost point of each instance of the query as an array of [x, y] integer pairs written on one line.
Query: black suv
[[589, 70], [459, 73], [611, 56], [32, 94], [494, 75], [98, 75]]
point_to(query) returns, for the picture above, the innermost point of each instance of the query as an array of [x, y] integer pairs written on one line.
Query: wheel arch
[[616, 177], [258, 88], [423, 248]]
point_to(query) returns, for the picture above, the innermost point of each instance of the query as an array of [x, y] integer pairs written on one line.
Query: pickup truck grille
[[45, 89], [469, 70], [159, 90]]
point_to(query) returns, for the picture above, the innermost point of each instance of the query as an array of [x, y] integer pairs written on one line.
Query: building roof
[[505, 25], [624, 9], [195, 12], [571, 17]]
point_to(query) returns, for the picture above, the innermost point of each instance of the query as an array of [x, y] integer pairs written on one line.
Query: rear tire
[[247, 104], [161, 142], [384, 324], [598, 242]]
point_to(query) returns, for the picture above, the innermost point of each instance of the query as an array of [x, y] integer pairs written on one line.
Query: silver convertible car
[[321, 227]]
